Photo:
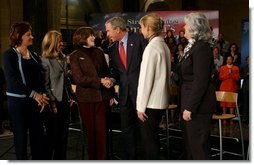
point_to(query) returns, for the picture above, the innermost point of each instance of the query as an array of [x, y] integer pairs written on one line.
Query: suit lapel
[[57, 65], [130, 47]]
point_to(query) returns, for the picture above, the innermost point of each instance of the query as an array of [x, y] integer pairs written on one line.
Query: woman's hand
[[71, 102], [41, 99], [107, 82], [142, 116], [187, 115], [111, 101], [53, 108]]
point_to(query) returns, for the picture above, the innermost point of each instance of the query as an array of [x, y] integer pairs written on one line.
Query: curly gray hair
[[199, 26]]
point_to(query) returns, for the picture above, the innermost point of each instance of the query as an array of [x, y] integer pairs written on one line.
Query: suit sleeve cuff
[[32, 94]]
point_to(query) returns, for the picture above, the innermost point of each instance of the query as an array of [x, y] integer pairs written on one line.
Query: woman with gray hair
[[197, 91]]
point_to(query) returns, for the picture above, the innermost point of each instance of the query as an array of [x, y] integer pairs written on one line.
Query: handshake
[[107, 82]]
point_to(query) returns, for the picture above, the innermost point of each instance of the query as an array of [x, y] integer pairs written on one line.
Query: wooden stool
[[222, 117]]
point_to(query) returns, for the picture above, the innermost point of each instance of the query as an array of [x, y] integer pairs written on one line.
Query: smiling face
[[229, 60], [59, 45], [112, 33], [27, 38], [90, 41]]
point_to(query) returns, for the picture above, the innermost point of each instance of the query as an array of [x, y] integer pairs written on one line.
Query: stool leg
[[241, 131], [167, 120], [220, 139]]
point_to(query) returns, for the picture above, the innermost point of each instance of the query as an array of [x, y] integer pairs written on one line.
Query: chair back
[[226, 96]]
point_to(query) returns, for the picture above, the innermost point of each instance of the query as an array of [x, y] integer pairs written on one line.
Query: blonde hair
[[153, 21], [49, 43]]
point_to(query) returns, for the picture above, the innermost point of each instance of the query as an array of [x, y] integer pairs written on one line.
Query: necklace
[[25, 54]]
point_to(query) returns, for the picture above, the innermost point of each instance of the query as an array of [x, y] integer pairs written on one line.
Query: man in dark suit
[[126, 56], [2, 83]]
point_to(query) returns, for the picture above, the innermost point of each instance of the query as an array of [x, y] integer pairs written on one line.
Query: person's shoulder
[[9, 54], [202, 45], [235, 67], [9, 51], [74, 53], [97, 50], [135, 36], [35, 55], [44, 59], [112, 48]]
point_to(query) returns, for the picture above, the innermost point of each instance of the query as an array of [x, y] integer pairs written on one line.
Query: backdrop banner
[[173, 20]]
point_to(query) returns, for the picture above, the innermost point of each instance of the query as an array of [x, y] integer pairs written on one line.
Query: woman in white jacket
[[154, 83]]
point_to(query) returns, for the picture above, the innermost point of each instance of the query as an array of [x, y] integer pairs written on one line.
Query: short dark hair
[[16, 33], [80, 36]]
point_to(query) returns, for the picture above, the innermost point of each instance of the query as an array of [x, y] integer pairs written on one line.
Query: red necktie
[[122, 54]]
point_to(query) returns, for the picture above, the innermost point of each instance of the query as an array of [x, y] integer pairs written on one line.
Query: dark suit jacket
[[197, 90], [30, 69], [127, 79], [88, 66]]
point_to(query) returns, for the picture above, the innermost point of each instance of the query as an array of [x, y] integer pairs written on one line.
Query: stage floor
[[77, 146]]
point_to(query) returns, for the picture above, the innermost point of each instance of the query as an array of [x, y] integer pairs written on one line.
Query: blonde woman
[[58, 89], [154, 84]]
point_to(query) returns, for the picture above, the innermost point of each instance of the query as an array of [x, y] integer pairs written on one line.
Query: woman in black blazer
[[197, 91], [24, 92]]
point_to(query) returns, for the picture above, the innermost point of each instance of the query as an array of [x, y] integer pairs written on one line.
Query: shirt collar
[[125, 38]]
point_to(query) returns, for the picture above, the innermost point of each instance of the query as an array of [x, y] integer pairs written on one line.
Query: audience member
[[99, 38], [229, 76], [181, 38], [170, 34], [222, 45], [179, 53], [218, 59], [233, 51], [171, 45]]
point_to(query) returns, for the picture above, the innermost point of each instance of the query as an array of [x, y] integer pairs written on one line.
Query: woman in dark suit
[[22, 70], [197, 91], [91, 74], [58, 89]]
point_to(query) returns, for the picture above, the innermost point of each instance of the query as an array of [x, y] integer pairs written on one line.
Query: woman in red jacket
[[229, 75]]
